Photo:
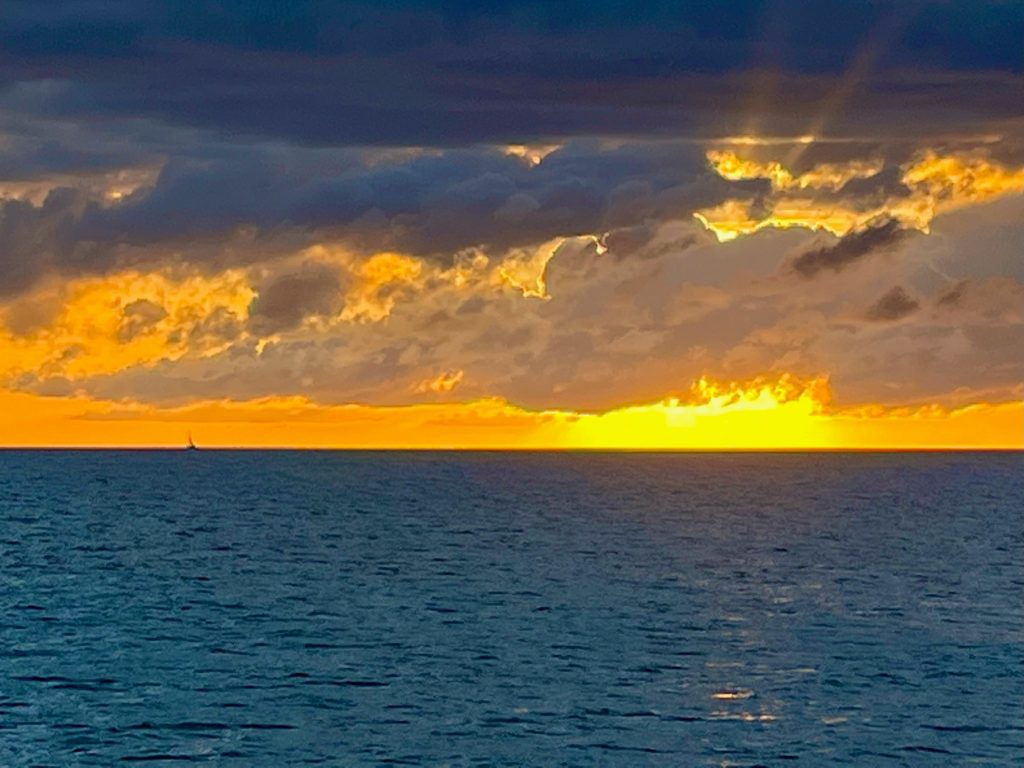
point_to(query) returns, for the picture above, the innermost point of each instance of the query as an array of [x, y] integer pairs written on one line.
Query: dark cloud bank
[[425, 205], [850, 249], [895, 304], [454, 72], [286, 300], [260, 114]]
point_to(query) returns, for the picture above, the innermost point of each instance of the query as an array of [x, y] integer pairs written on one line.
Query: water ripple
[[271, 609]]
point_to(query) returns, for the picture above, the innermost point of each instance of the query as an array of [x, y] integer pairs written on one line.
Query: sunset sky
[[777, 224]]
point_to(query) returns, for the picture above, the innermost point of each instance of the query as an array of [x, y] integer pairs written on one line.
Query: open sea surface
[[487, 609]]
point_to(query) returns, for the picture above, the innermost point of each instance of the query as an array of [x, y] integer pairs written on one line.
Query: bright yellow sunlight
[[767, 413]]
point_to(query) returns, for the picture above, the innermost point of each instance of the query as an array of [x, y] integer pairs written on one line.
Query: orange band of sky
[[756, 418]]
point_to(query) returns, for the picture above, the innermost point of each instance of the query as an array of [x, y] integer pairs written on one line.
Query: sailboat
[[191, 446]]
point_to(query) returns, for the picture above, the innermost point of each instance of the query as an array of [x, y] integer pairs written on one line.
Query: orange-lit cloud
[[440, 384], [95, 326], [379, 282], [936, 183], [779, 413], [954, 181], [524, 270], [99, 325], [731, 166], [734, 218], [531, 153]]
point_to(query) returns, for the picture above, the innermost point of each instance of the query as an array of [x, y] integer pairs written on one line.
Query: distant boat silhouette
[[191, 446]]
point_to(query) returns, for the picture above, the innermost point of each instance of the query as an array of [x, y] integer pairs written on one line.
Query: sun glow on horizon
[[768, 413], [763, 413]]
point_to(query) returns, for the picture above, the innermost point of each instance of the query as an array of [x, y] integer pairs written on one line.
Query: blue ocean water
[[288, 608]]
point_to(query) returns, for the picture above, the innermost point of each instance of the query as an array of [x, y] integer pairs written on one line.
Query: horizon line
[[514, 449]]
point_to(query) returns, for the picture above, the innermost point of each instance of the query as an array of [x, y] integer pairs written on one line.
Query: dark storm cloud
[[427, 204], [625, 241], [217, 327], [139, 317], [28, 156], [952, 296], [850, 248], [33, 238], [229, 97], [454, 72], [895, 304], [637, 240], [288, 299]]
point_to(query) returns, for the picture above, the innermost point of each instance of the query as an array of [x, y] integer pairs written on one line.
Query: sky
[[740, 224]]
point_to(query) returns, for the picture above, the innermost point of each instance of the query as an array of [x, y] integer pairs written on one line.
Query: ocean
[[511, 609]]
